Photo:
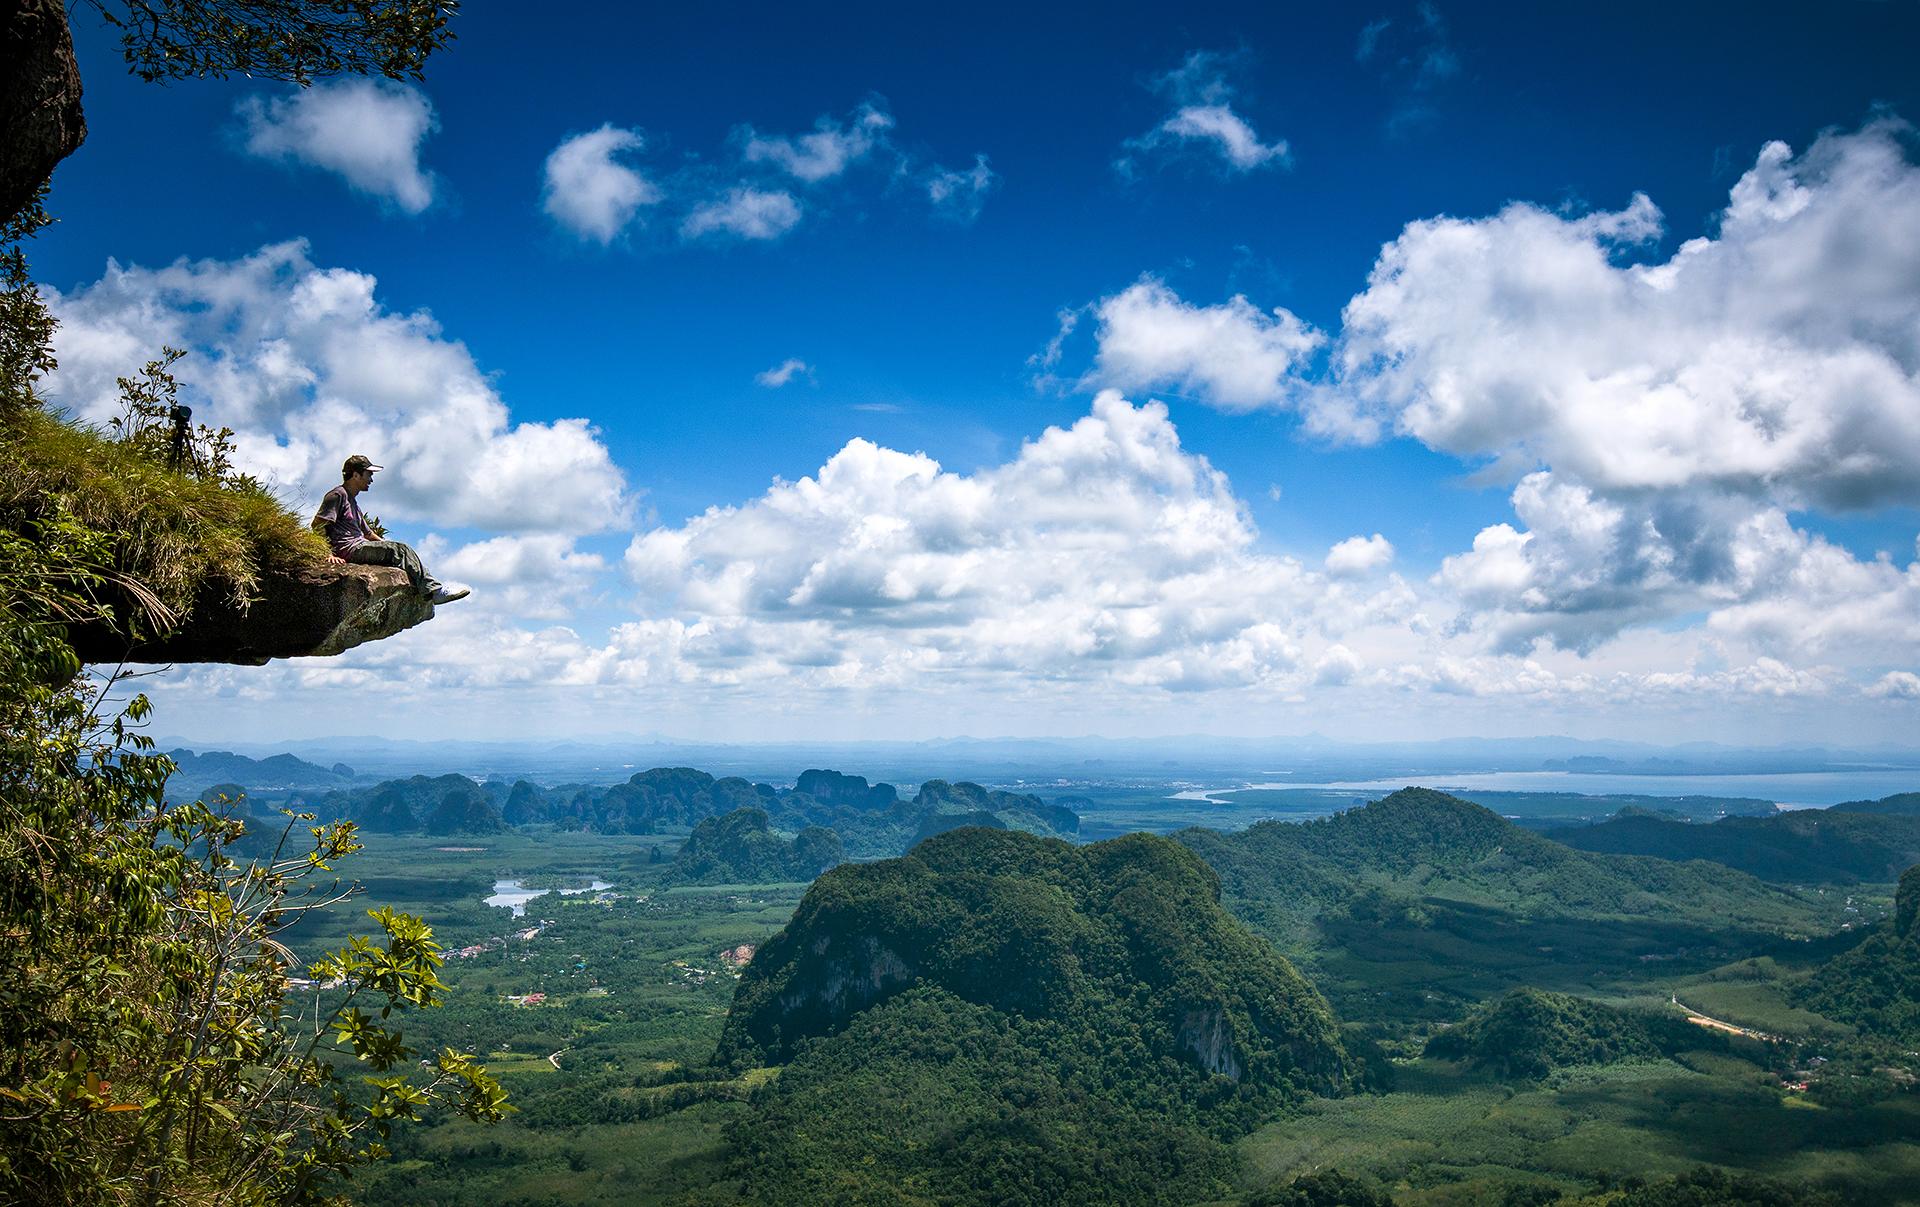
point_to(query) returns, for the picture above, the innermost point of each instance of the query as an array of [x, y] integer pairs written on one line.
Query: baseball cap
[[357, 462]]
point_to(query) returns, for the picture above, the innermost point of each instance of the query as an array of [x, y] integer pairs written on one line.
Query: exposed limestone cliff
[[312, 612], [1208, 1034], [39, 98]]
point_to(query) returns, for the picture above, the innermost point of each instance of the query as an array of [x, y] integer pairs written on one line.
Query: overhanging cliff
[[309, 613]]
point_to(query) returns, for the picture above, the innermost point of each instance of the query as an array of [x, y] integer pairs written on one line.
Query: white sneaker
[[448, 595]]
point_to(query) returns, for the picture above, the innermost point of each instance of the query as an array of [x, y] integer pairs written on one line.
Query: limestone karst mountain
[[997, 1017], [1040, 928]]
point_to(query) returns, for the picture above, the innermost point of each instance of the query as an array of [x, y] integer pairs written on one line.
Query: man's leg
[[423, 582], [393, 553]]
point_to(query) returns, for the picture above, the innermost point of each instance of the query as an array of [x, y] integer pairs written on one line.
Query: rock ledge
[[313, 613]]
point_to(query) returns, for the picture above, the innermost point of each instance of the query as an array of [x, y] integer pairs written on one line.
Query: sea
[[1788, 790]]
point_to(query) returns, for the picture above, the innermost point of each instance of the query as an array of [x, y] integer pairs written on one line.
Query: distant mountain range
[[606, 760], [198, 771], [1846, 844], [867, 820], [1421, 844]]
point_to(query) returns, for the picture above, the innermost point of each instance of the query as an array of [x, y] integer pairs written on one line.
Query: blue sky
[[1606, 504]]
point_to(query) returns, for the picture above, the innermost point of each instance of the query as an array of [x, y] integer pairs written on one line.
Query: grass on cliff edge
[[181, 538]]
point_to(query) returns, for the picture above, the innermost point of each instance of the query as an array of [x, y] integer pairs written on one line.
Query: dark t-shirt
[[345, 527]]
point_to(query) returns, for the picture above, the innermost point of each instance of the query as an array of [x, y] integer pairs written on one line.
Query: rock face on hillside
[[39, 99], [313, 613]]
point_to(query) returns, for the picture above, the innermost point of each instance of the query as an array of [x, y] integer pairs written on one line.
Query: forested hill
[[1529, 1033], [1876, 985], [1418, 844], [870, 820], [998, 1017], [194, 770], [740, 848], [1860, 841], [1904, 804]]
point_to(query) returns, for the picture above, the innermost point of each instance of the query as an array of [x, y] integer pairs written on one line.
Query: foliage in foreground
[[150, 1050]]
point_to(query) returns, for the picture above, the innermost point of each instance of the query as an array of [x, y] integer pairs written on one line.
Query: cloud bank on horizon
[[1671, 428]]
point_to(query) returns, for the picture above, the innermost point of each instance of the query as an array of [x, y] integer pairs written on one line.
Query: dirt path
[[1703, 1020]]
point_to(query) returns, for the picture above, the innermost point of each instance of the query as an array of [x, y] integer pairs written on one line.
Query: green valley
[[1432, 1002]]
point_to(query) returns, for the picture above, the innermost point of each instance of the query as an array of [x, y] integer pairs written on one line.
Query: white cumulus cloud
[[828, 150], [1665, 417], [591, 193], [1233, 356], [960, 194], [1673, 412], [307, 366], [745, 213], [1776, 359], [368, 131], [1359, 555], [1896, 685], [784, 372], [539, 576], [1203, 116], [1103, 551]]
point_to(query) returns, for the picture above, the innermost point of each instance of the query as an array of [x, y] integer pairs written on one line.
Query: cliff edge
[[305, 612]]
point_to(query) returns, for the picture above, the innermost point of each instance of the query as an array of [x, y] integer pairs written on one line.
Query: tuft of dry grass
[[175, 540]]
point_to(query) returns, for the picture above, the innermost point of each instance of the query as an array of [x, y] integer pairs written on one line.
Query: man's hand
[[336, 559]]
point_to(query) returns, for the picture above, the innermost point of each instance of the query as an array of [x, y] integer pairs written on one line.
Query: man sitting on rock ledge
[[347, 533]]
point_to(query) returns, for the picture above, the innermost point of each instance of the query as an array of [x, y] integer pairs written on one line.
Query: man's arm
[[329, 513]]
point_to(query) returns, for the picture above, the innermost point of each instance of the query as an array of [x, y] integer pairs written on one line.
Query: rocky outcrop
[[1209, 1036], [312, 613], [860, 973], [39, 98]]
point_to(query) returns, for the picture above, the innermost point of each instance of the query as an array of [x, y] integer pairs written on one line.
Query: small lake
[[514, 894]]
